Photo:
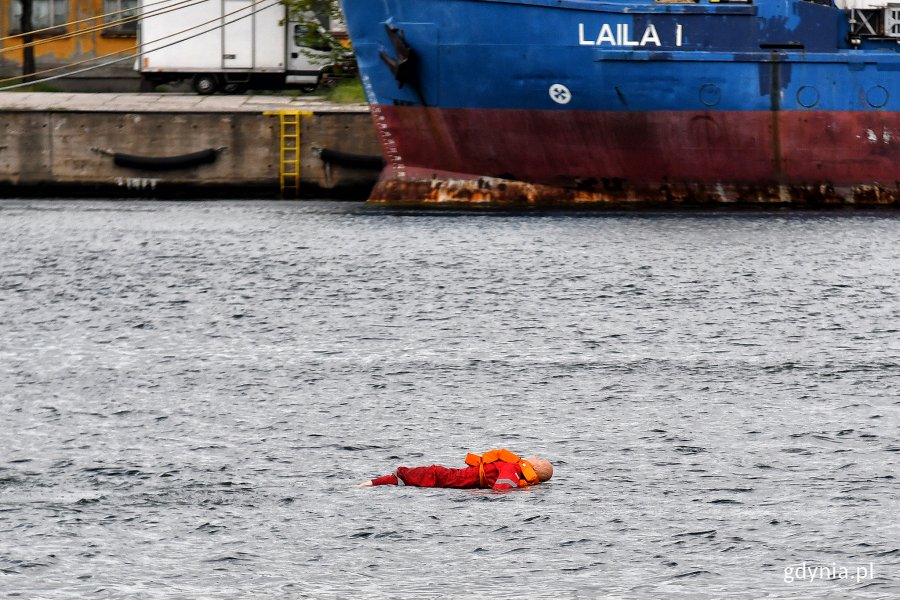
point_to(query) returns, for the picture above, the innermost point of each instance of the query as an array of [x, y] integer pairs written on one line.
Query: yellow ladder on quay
[[289, 140]]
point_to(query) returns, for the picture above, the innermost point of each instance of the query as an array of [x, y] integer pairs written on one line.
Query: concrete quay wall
[[65, 144]]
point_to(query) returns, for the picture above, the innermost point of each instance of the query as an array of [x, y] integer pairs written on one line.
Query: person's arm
[[383, 480], [508, 476]]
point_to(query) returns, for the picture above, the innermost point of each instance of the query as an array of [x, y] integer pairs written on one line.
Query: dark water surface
[[190, 391]]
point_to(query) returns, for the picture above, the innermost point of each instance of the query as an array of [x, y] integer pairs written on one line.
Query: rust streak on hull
[[486, 192]]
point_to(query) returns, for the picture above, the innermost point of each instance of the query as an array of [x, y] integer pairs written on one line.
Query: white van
[[227, 46]]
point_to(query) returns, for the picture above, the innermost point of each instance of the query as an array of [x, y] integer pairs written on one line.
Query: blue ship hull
[[576, 101]]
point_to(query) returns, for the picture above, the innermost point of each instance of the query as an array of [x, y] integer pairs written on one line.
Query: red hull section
[[562, 157]]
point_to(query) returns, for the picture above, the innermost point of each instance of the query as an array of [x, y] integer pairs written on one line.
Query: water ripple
[[189, 391]]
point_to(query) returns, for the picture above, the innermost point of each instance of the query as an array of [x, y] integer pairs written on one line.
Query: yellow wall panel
[[67, 44]]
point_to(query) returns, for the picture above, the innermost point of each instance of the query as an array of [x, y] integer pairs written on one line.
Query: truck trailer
[[227, 45]]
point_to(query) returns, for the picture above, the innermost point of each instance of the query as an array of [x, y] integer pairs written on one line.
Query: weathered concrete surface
[[62, 143]]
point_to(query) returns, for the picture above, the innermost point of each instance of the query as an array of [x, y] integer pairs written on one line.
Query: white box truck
[[227, 46]]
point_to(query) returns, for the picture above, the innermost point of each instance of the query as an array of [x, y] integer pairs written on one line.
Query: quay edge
[[63, 145]]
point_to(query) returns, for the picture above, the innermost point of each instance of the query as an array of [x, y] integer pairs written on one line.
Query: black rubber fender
[[357, 161], [165, 163]]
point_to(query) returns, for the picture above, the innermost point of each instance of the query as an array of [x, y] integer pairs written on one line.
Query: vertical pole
[[28, 66]]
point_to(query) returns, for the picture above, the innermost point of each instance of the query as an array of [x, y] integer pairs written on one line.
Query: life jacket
[[502, 455]]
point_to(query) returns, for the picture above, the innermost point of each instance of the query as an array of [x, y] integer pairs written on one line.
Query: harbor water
[[190, 392]]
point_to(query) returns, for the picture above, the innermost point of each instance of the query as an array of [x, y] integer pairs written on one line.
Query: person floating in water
[[495, 470]]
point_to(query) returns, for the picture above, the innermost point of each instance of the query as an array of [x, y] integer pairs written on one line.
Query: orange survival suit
[[497, 469]]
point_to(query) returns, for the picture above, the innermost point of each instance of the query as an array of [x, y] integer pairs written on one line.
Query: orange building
[[74, 34]]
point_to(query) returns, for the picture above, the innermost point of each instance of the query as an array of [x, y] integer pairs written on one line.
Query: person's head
[[542, 467]]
